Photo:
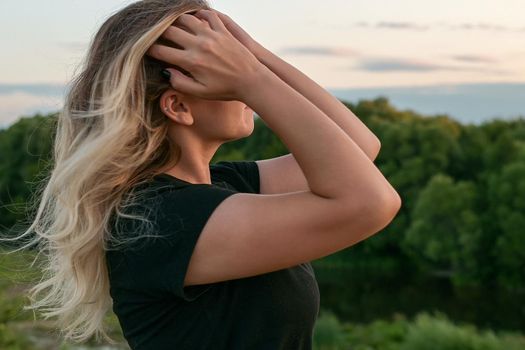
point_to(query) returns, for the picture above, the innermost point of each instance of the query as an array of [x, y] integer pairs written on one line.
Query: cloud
[[474, 58], [385, 65], [412, 26], [317, 51], [479, 26], [394, 25], [401, 25], [410, 65]]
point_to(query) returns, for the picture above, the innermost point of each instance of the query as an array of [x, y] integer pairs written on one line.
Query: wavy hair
[[111, 136]]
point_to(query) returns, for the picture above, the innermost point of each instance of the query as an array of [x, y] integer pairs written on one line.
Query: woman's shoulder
[[242, 174], [165, 187], [164, 199]]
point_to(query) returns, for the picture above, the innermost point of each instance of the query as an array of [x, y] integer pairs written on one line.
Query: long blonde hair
[[111, 136]]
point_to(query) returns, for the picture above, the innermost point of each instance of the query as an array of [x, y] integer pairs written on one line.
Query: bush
[[439, 333], [429, 332], [378, 335], [11, 340], [328, 332]]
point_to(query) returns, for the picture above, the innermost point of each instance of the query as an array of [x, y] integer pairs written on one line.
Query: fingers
[[185, 84], [179, 36], [192, 23], [221, 15], [212, 18], [169, 54]]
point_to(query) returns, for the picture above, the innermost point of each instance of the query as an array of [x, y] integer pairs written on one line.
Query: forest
[[447, 273]]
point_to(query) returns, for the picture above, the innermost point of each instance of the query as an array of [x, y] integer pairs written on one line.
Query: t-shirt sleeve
[[160, 263], [248, 169]]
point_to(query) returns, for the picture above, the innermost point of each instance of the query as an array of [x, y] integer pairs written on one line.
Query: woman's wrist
[[254, 83]]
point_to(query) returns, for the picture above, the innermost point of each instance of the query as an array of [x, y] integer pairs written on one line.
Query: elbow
[[396, 203], [392, 204], [377, 143], [381, 212], [374, 150], [383, 205]]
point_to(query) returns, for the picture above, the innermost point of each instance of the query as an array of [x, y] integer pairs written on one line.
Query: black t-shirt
[[276, 310]]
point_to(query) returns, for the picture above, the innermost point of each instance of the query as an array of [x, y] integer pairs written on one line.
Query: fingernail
[[166, 74]]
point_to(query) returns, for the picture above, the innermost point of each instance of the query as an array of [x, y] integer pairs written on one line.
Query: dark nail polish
[[166, 74]]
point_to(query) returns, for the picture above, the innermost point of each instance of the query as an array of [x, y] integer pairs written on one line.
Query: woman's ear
[[175, 107]]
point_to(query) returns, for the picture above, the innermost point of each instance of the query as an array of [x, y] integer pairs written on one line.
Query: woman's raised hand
[[238, 32], [222, 67]]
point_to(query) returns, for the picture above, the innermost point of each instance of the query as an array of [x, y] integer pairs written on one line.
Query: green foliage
[[379, 334], [17, 325], [439, 333], [506, 193], [429, 332], [445, 231], [25, 154], [11, 340], [328, 332]]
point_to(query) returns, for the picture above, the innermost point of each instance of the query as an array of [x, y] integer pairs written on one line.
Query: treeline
[[462, 186]]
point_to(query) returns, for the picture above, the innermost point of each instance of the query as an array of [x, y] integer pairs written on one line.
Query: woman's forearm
[[333, 164], [325, 101]]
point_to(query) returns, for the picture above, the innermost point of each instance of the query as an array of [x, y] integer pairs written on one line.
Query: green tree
[[445, 231], [506, 193]]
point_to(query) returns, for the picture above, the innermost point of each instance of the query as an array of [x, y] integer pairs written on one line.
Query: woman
[[192, 255]]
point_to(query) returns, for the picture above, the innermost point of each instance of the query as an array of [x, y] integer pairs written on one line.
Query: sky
[[338, 43]]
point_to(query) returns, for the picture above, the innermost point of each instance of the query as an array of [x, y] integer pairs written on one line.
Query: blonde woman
[[192, 255]]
